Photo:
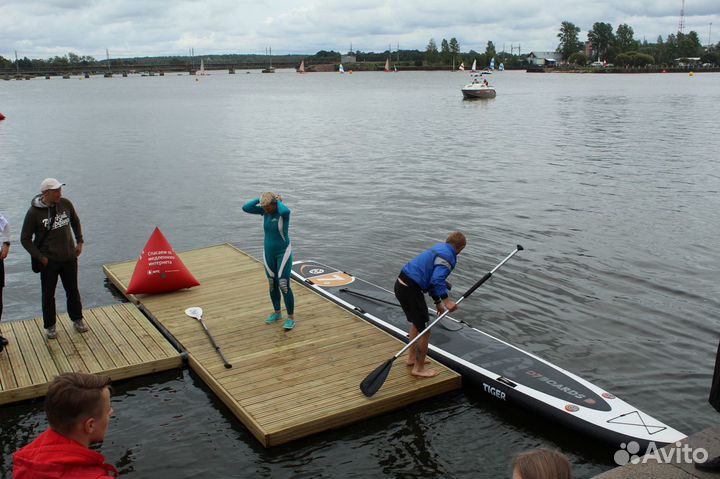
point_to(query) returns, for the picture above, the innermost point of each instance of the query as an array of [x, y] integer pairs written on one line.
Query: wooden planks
[[283, 385], [121, 343]]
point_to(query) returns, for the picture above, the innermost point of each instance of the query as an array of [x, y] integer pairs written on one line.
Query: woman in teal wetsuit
[[277, 253]]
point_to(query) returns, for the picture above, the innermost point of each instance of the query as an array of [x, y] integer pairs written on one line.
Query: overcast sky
[[45, 28]]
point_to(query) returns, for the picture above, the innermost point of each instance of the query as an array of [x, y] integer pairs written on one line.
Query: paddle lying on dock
[[374, 381], [196, 312]]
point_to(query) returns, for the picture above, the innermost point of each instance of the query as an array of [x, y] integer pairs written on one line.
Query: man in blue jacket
[[427, 273]]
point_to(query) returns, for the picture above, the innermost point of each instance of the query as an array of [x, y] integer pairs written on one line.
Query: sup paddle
[[374, 381], [196, 312]]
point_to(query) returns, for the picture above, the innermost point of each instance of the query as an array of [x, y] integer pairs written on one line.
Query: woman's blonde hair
[[267, 199], [542, 464]]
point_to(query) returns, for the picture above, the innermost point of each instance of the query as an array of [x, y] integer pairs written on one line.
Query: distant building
[[589, 52], [687, 61], [348, 59], [544, 58]]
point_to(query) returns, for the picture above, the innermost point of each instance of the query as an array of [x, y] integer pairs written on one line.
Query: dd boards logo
[[678, 453]]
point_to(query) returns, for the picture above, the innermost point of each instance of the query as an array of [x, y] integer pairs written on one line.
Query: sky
[[128, 28]]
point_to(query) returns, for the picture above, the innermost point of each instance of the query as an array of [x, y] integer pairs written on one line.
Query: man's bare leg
[[412, 350], [419, 367]]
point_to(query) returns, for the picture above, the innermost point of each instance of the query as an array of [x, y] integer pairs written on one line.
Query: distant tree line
[[447, 55], [621, 48]]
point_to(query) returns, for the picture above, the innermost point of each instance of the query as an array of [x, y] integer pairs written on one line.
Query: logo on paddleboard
[[332, 280], [320, 276]]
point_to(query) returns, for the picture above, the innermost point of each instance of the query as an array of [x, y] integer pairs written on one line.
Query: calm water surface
[[610, 182]]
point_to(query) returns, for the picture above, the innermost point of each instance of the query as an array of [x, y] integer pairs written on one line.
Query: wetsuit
[[277, 253]]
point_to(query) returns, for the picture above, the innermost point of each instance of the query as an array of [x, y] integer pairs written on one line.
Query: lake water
[[610, 182]]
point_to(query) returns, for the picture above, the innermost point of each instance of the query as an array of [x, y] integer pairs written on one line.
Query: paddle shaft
[[467, 293], [212, 340]]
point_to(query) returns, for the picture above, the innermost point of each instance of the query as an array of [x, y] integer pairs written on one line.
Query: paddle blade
[[374, 381], [194, 312]]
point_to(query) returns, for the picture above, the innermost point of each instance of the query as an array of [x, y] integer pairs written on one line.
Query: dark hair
[[542, 464], [72, 398], [456, 239]]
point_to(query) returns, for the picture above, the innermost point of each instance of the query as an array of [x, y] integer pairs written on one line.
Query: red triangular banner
[[159, 269]]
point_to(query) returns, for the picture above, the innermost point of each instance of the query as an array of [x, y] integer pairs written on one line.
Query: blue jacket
[[431, 268]]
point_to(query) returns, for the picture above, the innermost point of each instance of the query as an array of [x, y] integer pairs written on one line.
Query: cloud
[[40, 28]]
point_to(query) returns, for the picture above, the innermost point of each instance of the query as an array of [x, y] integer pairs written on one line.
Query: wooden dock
[[283, 385], [121, 343]]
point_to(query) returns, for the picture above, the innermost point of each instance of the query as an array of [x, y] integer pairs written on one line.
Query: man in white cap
[[47, 234]]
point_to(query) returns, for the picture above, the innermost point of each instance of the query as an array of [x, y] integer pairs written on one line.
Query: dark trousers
[[67, 271]]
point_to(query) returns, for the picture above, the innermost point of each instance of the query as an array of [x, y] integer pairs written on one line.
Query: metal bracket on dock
[[166, 334]]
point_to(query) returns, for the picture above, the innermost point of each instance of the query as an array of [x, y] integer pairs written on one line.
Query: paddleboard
[[493, 366]]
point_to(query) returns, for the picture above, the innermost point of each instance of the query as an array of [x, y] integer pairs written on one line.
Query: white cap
[[50, 184]]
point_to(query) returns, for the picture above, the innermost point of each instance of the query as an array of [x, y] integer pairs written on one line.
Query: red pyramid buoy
[[159, 269], [2, 117]]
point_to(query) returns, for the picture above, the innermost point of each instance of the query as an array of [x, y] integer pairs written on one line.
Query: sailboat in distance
[[202, 68], [301, 69], [341, 69], [474, 66], [462, 67], [387, 64]]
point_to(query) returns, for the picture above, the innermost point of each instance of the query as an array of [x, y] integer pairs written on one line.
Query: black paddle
[[374, 381], [197, 313]]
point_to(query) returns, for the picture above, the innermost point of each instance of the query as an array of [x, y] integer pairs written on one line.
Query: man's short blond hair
[[457, 239]]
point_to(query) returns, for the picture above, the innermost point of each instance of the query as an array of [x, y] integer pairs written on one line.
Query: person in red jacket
[[78, 410]]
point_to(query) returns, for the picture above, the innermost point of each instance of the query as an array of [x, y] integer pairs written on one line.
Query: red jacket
[[54, 456]]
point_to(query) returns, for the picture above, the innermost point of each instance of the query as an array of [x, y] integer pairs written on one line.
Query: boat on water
[[474, 67], [341, 69], [479, 88], [301, 68], [269, 69], [387, 65], [495, 367], [202, 72]]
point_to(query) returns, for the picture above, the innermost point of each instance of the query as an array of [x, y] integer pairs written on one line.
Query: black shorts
[[412, 300], [2, 273]]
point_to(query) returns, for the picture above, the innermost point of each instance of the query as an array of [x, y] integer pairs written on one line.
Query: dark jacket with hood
[[63, 222]]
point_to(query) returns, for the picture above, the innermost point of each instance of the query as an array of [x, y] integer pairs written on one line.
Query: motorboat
[[478, 88]]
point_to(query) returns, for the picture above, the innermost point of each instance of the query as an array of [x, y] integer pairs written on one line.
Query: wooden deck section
[[283, 385], [121, 343]]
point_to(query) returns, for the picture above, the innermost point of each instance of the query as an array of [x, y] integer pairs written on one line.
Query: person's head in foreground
[[77, 406], [541, 464]]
